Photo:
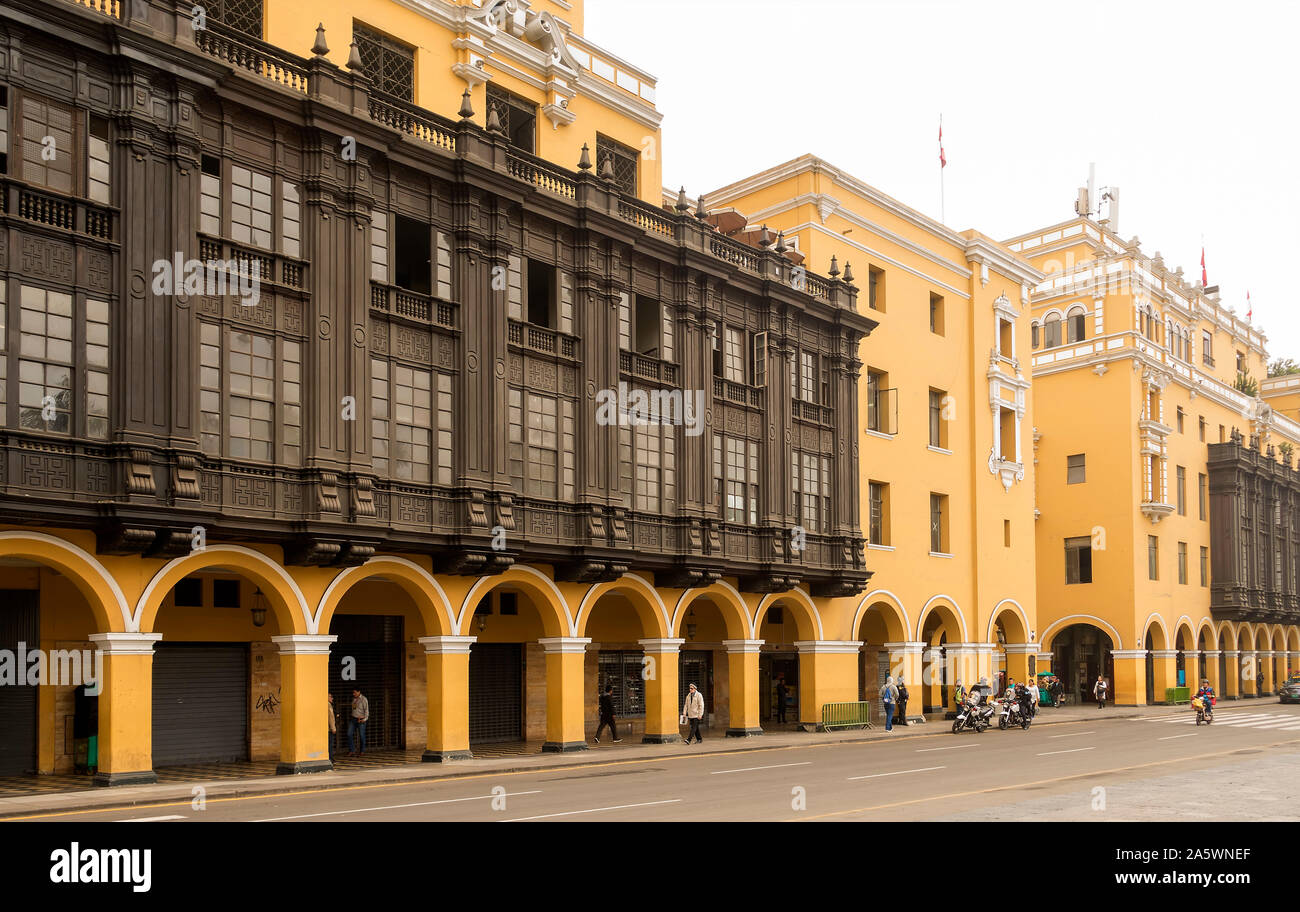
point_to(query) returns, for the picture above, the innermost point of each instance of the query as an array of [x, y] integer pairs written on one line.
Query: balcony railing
[[737, 392], [248, 53], [540, 174], [645, 217], [734, 252], [111, 8], [56, 210], [422, 125], [412, 304], [811, 411], [541, 339], [648, 368]]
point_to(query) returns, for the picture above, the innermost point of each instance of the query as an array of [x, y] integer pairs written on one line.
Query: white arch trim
[[1179, 623], [874, 595], [84, 555], [1071, 619], [1146, 625], [271, 566], [997, 609], [387, 560], [1201, 625], [546, 583], [637, 582], [800, 596], [961, 620], [684, 600]]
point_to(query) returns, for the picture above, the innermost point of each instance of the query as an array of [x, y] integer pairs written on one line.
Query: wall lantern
[[690, 624], [259, 608]]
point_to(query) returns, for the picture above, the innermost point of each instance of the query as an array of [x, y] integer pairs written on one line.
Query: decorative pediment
[[513, 17]]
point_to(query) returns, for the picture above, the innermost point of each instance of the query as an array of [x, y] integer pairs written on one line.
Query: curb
[[114, 798]]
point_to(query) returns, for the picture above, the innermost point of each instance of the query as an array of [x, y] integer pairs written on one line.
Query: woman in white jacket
[[693, 712]]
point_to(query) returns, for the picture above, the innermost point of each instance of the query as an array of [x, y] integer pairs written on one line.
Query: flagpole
[[943, 211]]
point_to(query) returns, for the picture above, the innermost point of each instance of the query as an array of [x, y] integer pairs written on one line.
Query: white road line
[[617, 807], [393, 807], [926, 750], [924, 769], [750, 769], [1072, 735], [1075, 751], [1172, 737], [154, 819]]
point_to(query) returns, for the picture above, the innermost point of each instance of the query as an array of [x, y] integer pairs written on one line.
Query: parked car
[[1290, 691]]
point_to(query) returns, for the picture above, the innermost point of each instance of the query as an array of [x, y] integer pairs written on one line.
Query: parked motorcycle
[[969, 716], [1012, 713]]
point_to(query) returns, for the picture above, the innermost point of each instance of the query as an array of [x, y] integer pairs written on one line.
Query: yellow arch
[[1184, 623], [1164, 632], [947, 605], [1212, 641], [541, 590], [425, 591], [92, 579], [1070, 620], [1017, 611], [1293, 640], [1231, 637], [808, 621], [650, 608], [729, 603], [901, 623], [281, 590]]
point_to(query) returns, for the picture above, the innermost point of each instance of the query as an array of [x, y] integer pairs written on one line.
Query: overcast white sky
[[1190, 108]]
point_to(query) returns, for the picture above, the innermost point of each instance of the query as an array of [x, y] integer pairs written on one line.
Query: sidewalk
[[631, 750]]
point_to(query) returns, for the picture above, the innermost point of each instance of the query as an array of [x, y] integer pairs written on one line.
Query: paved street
[[1149, 768]]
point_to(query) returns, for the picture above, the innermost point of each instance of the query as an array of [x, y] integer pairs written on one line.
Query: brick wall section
[[417, 696], [264, 686], [534, 692]]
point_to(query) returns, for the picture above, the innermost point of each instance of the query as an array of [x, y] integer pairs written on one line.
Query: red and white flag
[[1250, 308], [1204, 282], [943, 161]]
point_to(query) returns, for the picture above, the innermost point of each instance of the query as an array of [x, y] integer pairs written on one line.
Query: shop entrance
[[368, 655], [496, 693], [1080, 652], [772, 668], [19, 623]]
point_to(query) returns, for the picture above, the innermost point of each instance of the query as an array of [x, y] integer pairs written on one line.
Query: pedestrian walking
[[1033, 698], [692, 713], [333, 725], [902, 701], [889, 696], [607, 715], [781, 693], [1099, 691], [357, 722]]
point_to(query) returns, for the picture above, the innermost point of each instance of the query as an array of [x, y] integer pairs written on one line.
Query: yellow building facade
[[1140, 377], [947, 476]]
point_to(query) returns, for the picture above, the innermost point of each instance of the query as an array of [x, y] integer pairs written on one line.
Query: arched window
[[1033, 335], [1052, 331], [1075, 330]]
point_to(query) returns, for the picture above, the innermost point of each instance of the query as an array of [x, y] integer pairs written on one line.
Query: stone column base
[[744, 732], [303, 766], [141, 777], [661, 739], [563, 747], [445, 756]]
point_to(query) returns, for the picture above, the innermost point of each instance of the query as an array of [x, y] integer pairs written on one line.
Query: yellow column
[[126, 708], [1266, 671], [941, 671], [1249, 673], [1165, 662], [828, 673], [742, 667], [446, 661], [1018, 660], [905, 659], [1210, 669], [1129, 687], [304, 686], [564, 700], [1232, 686], [661, 685]]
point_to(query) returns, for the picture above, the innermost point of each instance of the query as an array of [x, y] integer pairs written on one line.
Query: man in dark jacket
[[607, 715], [781, 693], [902, 701]]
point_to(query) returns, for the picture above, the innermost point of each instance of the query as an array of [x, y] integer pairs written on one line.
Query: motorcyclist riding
[[1206, 694]]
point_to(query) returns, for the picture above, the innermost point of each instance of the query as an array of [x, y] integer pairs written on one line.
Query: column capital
[[1164, 653], [1231, 653], [1046, 656], [447, 645], [972, 647], [742, 645], [125, 643], [661, 644], [305, 643], [829, 646], [906, 647], [1210, 653], [564, 644], [1129, 653], [1022, 649]]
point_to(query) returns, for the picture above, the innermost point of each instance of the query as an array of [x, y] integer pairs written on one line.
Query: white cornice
[[1006, 263], [879, 257]]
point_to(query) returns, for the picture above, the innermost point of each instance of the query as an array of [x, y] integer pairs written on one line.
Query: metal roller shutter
[[19, 622], [496, 692], [373, 646], [200, 703]]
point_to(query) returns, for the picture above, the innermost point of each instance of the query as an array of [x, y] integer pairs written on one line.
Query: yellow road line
[[1020, 785]]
